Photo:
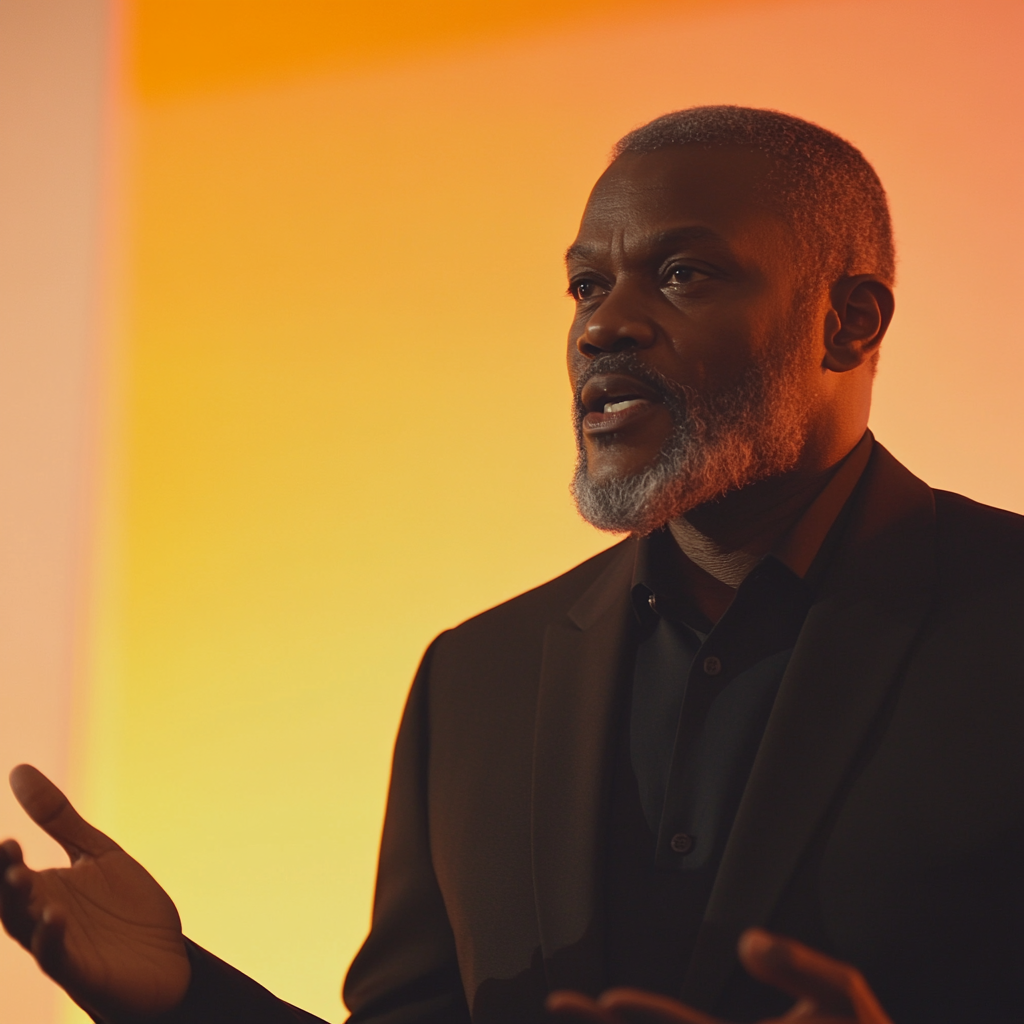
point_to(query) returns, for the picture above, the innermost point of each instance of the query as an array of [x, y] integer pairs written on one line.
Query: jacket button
[[712, 666], [681, 843]]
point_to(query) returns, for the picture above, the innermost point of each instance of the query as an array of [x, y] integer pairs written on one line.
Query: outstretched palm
[[826, 991], [102, 928]]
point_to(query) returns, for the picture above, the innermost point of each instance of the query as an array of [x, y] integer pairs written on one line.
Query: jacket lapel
[[584, 658], [853, 645]]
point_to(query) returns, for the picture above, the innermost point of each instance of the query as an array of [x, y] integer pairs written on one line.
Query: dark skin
[[102, 928], [679, 261], [676, 260], [825, 991]]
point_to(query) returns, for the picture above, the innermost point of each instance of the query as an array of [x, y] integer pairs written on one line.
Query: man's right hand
[[826, 991], [102, 928]]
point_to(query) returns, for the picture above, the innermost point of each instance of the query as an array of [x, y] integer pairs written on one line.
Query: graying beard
[[753, 431]]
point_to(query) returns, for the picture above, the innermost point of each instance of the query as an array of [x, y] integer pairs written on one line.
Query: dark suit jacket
[[882, 822]]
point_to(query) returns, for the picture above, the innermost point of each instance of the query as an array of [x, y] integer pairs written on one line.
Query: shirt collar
[[798, 549], [655, 589], [799, 546]]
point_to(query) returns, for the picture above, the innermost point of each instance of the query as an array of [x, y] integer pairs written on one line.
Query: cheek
[[712, 353]]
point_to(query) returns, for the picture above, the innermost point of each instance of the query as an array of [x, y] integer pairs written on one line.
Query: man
[[791, 698]]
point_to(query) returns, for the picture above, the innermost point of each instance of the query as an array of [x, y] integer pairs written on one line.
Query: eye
[[584, 289], [683, 274]]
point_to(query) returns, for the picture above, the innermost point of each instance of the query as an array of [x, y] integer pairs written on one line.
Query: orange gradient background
[[333, 418]]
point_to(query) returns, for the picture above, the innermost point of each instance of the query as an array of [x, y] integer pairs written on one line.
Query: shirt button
[[681, 843], [712, 666]]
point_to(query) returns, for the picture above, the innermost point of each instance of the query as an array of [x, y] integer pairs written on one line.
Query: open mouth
[[614, 402], [626, 403]]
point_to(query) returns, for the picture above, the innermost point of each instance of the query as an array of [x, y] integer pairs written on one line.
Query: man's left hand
[[826, 991]]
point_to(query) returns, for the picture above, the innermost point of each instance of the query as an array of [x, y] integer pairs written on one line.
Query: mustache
[[673, 395]]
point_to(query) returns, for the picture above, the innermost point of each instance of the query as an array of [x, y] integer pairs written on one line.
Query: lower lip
[[610, 422]]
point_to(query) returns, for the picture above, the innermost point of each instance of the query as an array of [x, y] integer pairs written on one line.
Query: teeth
[[619, 406]]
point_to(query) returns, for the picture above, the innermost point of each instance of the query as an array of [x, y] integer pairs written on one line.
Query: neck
[[727, 566], [724, 540], [751, 520]]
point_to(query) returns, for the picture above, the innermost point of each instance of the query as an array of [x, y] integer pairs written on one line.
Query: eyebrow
[[583, 251]]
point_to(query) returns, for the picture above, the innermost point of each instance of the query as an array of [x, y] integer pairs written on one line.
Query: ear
[[862, 307]]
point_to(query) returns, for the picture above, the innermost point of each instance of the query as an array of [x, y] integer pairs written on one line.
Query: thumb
[[50, 809]]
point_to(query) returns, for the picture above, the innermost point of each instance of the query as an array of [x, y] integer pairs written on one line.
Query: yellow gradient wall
[[341, 422]]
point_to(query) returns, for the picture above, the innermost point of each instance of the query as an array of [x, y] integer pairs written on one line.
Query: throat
[[728, 567]]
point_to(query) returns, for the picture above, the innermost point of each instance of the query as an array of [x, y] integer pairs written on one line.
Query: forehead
[[723, 189]]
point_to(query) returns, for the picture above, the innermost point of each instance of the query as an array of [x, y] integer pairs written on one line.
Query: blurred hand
[[102, 928], [826, 991]]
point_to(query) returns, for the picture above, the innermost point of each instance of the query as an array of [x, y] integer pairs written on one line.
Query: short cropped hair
[[821, 184]]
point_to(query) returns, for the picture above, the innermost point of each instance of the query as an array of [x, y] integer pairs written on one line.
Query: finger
[[796, 969], [50, 809], [48, 943], [830, 986], [637, 1007], [15, 894], [10, 854], [575, 1006]]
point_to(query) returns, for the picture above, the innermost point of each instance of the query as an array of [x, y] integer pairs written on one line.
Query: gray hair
[[821, 184]]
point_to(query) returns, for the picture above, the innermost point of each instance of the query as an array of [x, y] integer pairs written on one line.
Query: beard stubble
[[720, 442]]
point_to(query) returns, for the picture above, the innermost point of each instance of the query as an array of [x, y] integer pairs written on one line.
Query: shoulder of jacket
[[978, 544], [960, 517], [545, 603]]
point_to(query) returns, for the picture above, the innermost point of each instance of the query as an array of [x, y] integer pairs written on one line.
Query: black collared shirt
[[699, 702]]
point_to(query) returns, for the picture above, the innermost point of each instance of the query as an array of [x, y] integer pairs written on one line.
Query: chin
[[634, 497], [604, 467]]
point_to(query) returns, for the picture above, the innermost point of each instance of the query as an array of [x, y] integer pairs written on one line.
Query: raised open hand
[[827, 991], [102, 928]]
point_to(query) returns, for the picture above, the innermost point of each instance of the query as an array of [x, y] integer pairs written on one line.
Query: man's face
[[689, 351]]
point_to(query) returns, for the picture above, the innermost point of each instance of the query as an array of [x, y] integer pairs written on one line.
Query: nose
[[617, 325]]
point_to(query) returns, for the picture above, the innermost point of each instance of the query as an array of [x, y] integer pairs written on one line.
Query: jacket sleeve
[[407, 971], [219, 994]]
